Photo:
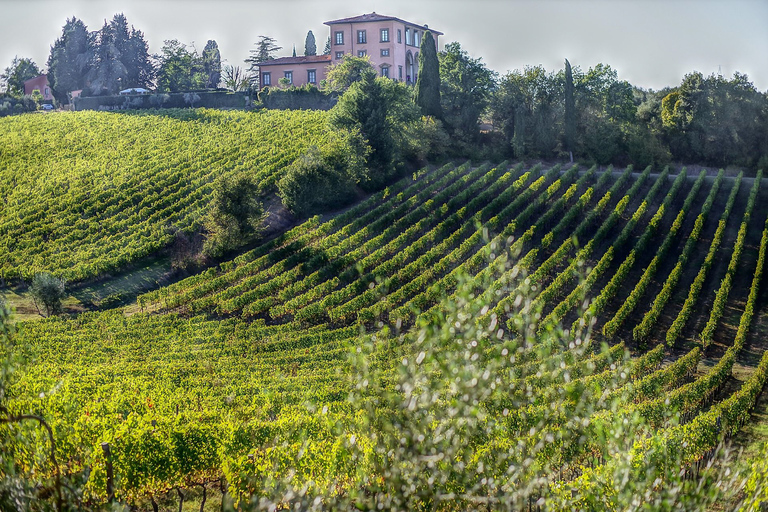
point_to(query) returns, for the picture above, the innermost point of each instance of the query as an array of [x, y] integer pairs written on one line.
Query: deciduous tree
[[47, 293], [466, 85], [20, 70]]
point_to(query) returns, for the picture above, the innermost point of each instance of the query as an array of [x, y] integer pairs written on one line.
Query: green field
[[86, 193], [415, 333]]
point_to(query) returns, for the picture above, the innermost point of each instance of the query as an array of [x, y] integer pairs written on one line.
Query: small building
[[392, 45], [39, 83], [297, 70]]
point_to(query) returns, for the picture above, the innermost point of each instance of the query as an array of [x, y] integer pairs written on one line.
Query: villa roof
[[364, 18], [304, 59]]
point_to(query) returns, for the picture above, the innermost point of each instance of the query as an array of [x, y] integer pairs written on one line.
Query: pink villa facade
[[391, 43], [39, 83]]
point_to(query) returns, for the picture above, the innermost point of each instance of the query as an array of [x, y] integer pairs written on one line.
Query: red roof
[[309, 59], [364, 18]]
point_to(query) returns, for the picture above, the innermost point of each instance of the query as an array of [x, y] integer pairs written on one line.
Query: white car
[[46, 106]]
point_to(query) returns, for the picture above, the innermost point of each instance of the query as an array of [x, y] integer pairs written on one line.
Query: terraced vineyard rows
[[243, 371], [86, 193]]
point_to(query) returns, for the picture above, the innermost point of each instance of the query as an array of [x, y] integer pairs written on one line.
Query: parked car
[[46, 106]]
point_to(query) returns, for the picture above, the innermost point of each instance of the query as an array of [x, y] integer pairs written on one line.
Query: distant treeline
[[711, 120]]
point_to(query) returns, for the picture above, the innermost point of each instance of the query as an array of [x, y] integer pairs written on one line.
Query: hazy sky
[[651, 43]]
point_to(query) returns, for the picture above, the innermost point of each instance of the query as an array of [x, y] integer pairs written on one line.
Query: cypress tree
[[428, 81], [570, 110], [310, 46]]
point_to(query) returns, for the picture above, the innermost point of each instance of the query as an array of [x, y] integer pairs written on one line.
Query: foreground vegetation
[[406, 353]]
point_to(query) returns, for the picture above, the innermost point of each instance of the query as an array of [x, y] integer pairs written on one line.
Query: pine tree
[[428, 81], [310, 46], [265, 50], [294, 50], [327, 49], [570, 110]]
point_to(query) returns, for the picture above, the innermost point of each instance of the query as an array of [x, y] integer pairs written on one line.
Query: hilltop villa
[[391, 43]]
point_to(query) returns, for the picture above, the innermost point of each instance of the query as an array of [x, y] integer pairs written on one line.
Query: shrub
[[318, 181], [235, 216], [47, 293]]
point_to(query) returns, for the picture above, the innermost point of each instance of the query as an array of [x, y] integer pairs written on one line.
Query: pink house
[[391, 43], [39, 83], [297, 70]]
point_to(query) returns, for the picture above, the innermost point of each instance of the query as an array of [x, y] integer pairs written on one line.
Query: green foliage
[[426, 141], [47, 292], [68, 61], [466, 85], [211, 64], [525, 107], [427, 94], [569, 132], [310, 46], [181, 69], [134, 177], [235, 215], [265, 50], [378, 109], [438, 404], [348, 71], [14, 76], [317, 182]]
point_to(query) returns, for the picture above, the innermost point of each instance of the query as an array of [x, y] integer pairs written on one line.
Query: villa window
[[400, 73], [407, 36], [399, 36], [385, 52], [267, 78], [361, 37], [339, 55], [385, 71], [415, 38], [339, 36], [384, 35], [289, 76], [312, 76], [362, 53]]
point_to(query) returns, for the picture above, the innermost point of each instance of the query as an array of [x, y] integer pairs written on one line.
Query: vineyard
[[323, 359], [88, 193]]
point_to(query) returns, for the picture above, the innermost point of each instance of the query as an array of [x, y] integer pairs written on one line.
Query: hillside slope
[[233, 364], [85, 193]]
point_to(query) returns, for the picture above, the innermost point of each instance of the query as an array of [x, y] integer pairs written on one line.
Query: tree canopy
[[466, 85], [20, 70]]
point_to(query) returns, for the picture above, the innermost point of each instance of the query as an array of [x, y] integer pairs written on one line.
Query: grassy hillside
[[85, 193], [252, 370]]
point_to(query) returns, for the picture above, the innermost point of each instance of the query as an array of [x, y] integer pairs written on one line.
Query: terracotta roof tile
[[363, 18], [296, 60]]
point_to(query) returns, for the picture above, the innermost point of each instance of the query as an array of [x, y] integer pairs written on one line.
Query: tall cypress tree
[[570, 110], [428, 81], [310, 45]]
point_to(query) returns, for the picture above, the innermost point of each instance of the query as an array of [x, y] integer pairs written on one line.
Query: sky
[[650, 43]]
